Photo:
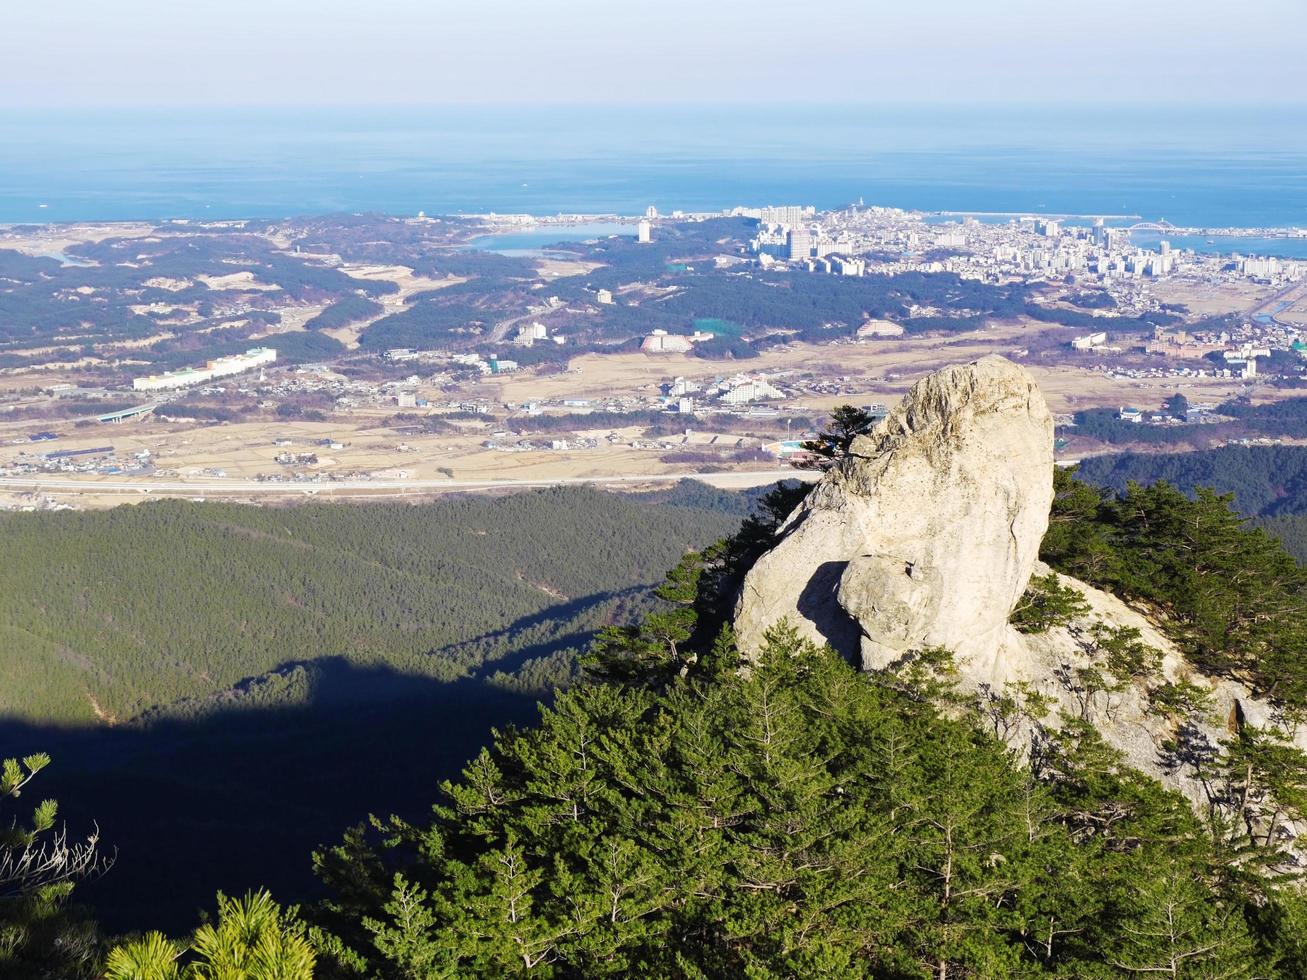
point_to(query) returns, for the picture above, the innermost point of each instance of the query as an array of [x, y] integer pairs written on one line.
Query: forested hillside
[[177, 606], [1265, 480], [675, 815], [1269, 483], [266, 675]]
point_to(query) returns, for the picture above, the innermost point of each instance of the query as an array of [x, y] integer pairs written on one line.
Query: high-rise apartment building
[[800, 242]]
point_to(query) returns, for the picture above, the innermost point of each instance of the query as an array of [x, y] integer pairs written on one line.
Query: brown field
[[875, 370], [552, 268], [1212, 299]]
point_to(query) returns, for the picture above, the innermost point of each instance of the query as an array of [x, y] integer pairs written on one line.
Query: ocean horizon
[[1212, 168]]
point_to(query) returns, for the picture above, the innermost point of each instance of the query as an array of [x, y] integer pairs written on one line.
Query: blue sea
[[1211, 168]]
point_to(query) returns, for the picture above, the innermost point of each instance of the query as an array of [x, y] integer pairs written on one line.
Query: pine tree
[[832, 444], [41, 933], [254, 939]]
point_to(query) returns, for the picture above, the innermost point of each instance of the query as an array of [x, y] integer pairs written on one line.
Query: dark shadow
[[561, 614], [519, 657], [819, 604], [240, 797]]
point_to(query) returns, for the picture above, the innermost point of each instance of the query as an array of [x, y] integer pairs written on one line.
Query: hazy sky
[[242, 52]]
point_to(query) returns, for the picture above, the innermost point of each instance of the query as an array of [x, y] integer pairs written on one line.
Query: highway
[[245, 488]]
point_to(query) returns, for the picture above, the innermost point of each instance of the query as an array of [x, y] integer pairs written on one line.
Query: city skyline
[[141, 53]]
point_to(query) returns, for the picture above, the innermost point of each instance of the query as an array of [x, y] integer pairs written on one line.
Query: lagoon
[[534, 241]]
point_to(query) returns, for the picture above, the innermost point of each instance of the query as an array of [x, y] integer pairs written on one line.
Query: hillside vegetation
[[174, 606], [680, 817], [248, 661], [801, 820], [674, 815], [1265, 480], [1231, 597], [1269, 483]]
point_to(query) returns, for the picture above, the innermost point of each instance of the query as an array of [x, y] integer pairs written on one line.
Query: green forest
[[1269, 483], [1265, 480], [171, 606], [673, 815], [243, 659], [667, 813]]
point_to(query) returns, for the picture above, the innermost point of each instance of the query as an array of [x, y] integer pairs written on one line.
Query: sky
[[142, 53]]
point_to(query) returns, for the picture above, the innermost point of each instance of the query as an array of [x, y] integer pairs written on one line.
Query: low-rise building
[[662, 342], [220, 367]]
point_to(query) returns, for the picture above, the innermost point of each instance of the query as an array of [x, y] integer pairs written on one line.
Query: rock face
[[1180, 755], [926, 534]]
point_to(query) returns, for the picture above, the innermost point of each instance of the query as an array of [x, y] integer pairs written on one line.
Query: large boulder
[[926, 534]]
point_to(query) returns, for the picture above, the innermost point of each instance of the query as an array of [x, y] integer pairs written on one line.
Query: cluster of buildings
[[1237, 348], [220, 367], [1232, 353], [101, 460], [790, 215], [1193, 415], [890, 241], [740, 390], [791, 234], [529, 333]]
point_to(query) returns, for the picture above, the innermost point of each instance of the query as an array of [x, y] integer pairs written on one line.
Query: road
[[1278, 303], [245, 488]]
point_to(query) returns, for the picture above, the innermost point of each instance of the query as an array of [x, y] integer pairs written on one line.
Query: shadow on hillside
[[241, 797], [561, 614]]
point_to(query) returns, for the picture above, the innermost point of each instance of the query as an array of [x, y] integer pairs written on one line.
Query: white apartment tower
[[800, 244]]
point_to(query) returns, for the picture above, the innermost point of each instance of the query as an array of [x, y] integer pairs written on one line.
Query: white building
[[799, 241], [644, 232], [220, 367], [1089, 341], [662, 342], [792, 214], [743, 389], [1262, 268], [529, 333], [604, 297], [771, 240]]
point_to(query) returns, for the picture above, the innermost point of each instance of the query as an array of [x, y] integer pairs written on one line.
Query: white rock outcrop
[[1180, 753], [925, 535]]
